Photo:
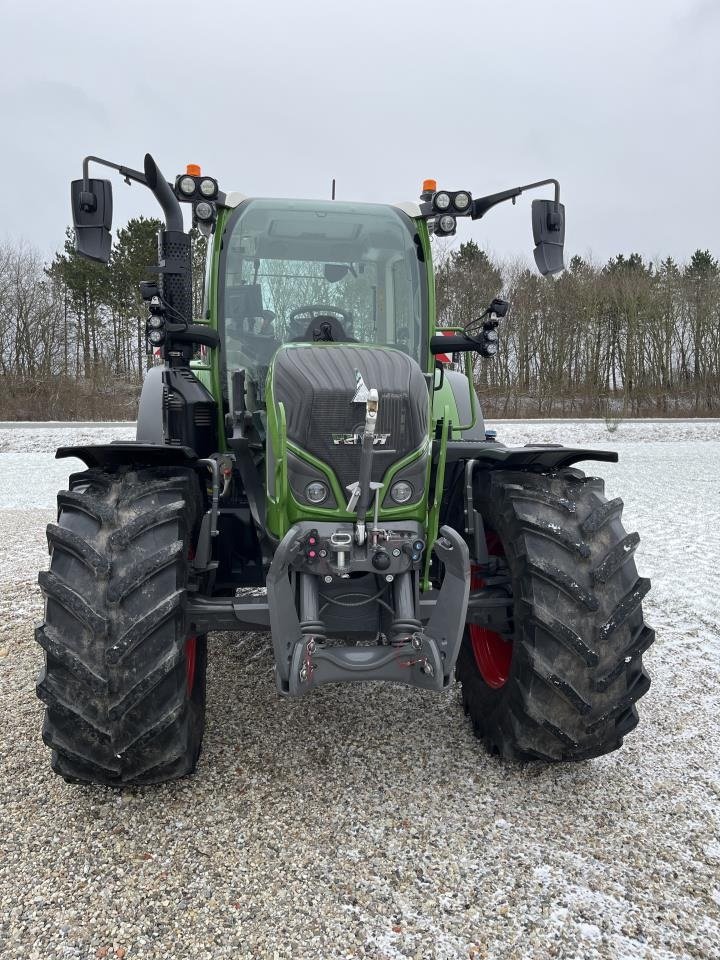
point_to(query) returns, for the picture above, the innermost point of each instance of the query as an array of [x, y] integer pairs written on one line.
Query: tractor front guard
[[426, 659]]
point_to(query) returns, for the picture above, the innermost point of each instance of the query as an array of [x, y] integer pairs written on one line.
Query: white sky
[[618, 100]]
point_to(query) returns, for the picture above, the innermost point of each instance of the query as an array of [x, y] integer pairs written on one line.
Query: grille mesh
[[317, 385], [334, 415]]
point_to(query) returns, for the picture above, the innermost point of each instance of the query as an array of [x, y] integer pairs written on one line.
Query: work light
[[441, 201], [316, 492], [187, 186], [461, 200], [445, 226], [208, 187], [204, 210], [156, 337], [401, 491]]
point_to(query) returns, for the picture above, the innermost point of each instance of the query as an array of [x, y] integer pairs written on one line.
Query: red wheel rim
[[190, 655], [493, 654]]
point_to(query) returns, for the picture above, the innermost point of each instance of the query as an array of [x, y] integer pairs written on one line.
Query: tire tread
[[114, 682], [577, 671]]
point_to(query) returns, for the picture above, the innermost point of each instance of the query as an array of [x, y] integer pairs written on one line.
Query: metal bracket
[[474, 526], [447, 621], [202, 561]]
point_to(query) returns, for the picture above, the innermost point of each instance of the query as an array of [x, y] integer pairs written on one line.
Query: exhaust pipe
[[164, 195]]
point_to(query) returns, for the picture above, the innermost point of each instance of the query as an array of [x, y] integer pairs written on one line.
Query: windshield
[[304, 271]]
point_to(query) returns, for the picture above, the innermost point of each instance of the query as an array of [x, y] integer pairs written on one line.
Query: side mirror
[[548, 223], [92, 218]]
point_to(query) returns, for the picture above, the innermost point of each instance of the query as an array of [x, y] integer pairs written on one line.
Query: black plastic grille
[[334, 416], [317, 386]]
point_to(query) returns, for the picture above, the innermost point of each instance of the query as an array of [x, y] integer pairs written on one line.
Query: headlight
[[447, 224], [208, 187], [401, 491], [462, 200], [316, 492], [204, 210], [187, 186], [441, 200]]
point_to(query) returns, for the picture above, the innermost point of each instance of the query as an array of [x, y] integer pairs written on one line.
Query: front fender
[[129, 454], [491, 455]]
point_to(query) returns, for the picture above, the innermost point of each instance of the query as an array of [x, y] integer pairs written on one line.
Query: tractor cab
[[304, 271]]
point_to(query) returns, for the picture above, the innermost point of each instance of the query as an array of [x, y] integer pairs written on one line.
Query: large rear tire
[[564, 683], [123, 680]]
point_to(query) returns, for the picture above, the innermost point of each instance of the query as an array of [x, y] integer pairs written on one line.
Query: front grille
[[332, 415], [316, 386]]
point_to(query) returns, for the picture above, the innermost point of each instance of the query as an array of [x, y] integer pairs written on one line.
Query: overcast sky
[[618, 99]]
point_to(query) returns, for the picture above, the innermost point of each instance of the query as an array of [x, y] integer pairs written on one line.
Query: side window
[[403, 304]]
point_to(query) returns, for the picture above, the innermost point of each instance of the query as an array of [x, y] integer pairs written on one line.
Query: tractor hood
[[324, 388]]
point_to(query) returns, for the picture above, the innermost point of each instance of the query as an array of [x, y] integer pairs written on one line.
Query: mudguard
[[127, 453], [491, 455]]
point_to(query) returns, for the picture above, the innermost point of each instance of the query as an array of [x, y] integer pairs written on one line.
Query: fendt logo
[[356, 438]]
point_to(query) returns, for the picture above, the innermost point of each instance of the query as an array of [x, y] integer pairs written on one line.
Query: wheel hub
[[190, 657], [492, 652]]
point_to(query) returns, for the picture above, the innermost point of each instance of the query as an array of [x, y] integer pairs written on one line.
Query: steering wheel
[[315, 309], [315, 312]]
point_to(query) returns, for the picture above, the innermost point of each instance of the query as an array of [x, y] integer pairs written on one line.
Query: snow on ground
[[669, 478], [365, 821]]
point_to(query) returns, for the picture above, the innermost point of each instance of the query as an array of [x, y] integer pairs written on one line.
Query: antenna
[[333, 189]]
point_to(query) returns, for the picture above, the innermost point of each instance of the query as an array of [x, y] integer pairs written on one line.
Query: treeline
[[627, 338], [72, 332]]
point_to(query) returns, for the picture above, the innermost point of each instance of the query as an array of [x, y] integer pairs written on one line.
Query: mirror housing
[[333, 272], [92, 211], [548, 223]]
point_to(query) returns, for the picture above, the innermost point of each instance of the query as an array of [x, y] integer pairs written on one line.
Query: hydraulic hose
[[366, 458], [405, 623], [311, 624]]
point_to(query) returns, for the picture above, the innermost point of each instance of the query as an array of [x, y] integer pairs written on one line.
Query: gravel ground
[[366, 821]]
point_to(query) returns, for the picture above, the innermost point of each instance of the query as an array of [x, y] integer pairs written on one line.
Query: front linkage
[[421, 654]]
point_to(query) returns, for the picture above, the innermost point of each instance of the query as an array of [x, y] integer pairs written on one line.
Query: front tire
[[566, 686], [124, 679]]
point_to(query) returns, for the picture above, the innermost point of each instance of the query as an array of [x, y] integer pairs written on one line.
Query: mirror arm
[[127, 172], [151, 178], [545, 183], [481, 206]]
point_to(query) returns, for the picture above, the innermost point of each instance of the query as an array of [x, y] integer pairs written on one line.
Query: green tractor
[[311, 461]]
